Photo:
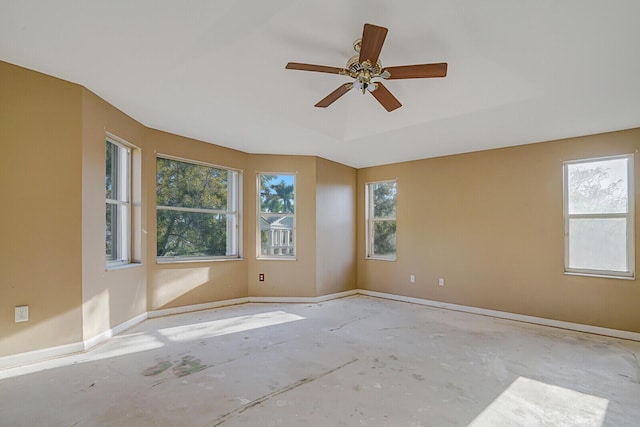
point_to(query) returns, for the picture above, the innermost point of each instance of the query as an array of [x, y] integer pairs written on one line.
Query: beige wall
[[490, 223], [110, 297], [294, 278], [40, 193], [335, 227], [179, 284]]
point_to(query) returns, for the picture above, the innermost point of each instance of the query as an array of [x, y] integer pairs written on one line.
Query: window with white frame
[[276, 215], [197, 210], [598, 216], [380, 200], [118, 203]]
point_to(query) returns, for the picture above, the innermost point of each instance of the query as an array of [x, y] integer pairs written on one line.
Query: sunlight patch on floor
[[227, 326], [529, 402]]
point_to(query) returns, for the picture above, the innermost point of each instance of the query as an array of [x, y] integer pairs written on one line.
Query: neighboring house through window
[[118, 202], [198, 210], [276, 215], [381, 220], [598, 216]]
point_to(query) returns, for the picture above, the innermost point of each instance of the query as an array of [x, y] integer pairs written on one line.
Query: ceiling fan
[[365, 66]]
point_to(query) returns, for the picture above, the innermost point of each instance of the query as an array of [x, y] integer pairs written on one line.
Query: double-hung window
[[118, 203], [598, 216], [276, 216], [197, 211], [380, 200]]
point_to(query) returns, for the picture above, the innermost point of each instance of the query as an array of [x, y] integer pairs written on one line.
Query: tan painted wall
[[287, 277], [110, 297], [491, 224], [335, 227], [178, 284], [40, 192]]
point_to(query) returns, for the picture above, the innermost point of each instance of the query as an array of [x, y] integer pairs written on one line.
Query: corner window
[[276, 215], [381, 220], [197, 210], [118, 203], [598, 216]]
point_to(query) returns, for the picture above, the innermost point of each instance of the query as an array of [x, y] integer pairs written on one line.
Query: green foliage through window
[[381, 220], [276, 216], [197, 210]]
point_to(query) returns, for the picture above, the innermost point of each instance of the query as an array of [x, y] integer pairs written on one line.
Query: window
[[381, 220], [276, 215], [198, 215], [118, 203], [598, 216]]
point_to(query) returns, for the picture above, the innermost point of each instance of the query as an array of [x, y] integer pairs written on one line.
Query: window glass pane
[[111, 177], [276, 235], [188, 185], [277, 193], [384, 238], [384, 200], [191, 234], [598, 187], [111, 230], [598, 244]]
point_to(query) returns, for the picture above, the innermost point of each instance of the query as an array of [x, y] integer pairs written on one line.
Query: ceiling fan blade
[[333, 96], [419, 71], [371, 44], [311, 67], [384, 97]]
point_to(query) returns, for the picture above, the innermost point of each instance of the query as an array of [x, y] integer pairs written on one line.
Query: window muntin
[[197, 211], [381, 220], [118, 203], [276, 216], [598, 207]]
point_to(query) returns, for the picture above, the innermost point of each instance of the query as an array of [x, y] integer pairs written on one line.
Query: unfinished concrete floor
[[347, 362]]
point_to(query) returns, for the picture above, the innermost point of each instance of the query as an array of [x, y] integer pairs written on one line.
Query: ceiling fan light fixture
[[366, 66]]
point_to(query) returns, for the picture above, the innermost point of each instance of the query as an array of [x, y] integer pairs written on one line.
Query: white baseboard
[[196, 307], [304, 300], [27, 357], [627, 335], [94, 341]]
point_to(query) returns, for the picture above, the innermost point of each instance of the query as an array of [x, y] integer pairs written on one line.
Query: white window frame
[[261, 214], [232, 213], [371, 220], [629, 216], [123, 184]]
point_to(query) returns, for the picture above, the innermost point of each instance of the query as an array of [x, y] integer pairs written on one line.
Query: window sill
[[600, 276], [122, 266], [276, 259], [194, 260], [379, 258]]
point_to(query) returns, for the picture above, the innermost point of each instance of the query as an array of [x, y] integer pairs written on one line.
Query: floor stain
[[158, 368], [188, 365], [185, 366]]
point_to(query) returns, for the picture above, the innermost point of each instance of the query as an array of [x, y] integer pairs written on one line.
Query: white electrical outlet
[[412, 278], [441, 281], [22, 313]]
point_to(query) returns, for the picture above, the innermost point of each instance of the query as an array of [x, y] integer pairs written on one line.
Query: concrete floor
[[348, 362]]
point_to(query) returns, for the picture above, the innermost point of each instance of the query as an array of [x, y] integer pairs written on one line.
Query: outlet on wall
[[412, 278], [441, 281], [22, 313], [261, 277]]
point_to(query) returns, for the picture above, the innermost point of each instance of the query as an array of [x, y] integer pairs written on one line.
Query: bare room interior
[[244, 213]]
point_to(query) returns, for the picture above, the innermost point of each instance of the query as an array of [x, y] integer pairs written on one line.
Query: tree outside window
[[381, 220], [197, 210], [276, 215], [599, 237]]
